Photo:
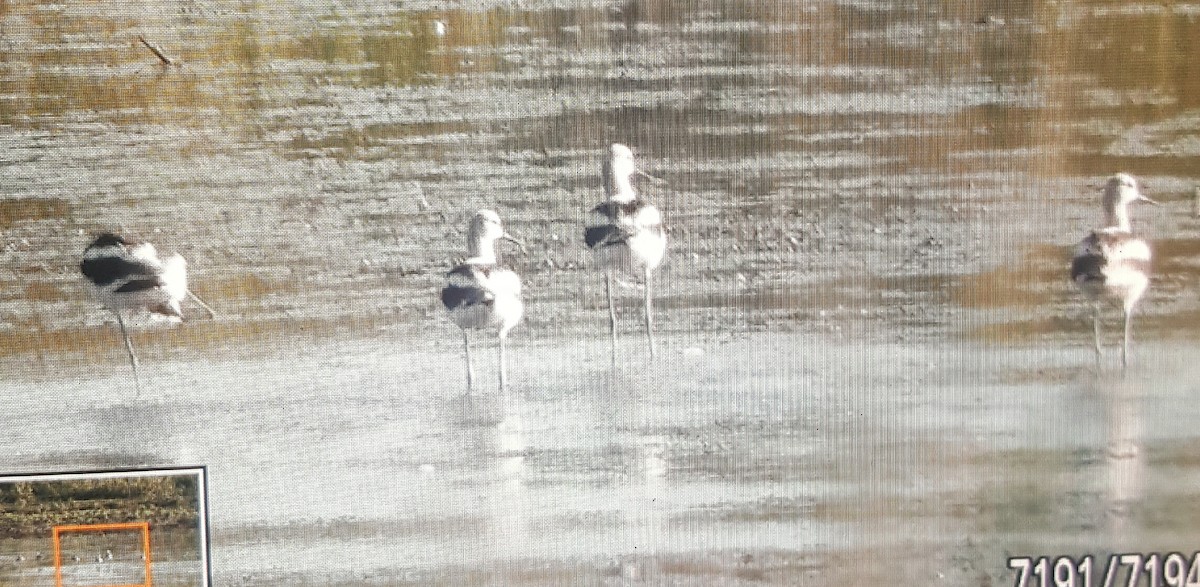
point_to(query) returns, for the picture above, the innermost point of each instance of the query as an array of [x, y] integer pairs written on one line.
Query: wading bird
[[482, 295], [626, 235], [1112, 263], [128, 276]]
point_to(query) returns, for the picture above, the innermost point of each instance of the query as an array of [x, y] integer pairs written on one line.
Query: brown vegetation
[[32, 508]]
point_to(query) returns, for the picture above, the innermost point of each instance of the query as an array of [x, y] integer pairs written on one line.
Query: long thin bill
[[516, 241], [650, 177], [196, 298]]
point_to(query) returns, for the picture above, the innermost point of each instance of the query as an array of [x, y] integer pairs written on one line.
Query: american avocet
[[626, 235], [128, 276], [481, 295], [1112, 262]]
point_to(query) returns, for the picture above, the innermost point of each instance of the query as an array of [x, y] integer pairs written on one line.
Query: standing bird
[[479, 293], [1112, 262], [128, 276], [625, 235]]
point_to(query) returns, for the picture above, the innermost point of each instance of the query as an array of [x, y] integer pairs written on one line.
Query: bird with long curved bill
[[480, 294], [1112, 262], [128, 276], [626, 235]]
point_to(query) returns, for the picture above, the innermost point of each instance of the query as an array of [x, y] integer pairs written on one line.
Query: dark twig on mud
[[157, 53]]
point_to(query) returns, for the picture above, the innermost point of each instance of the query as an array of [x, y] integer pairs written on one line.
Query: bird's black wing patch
[[454, 296], [606, 209], [616, 210], [139, 285], [1088, 268], [462, 271], [105, 270], [631, 208], [108, 239], [596, 236]]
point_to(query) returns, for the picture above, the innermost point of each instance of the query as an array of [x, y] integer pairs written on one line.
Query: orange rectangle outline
[[57, 532]]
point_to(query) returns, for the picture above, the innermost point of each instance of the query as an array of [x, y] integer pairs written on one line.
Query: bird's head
[[487, 227], [1122, 189]]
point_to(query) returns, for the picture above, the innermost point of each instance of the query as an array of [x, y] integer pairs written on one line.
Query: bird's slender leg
[[1096, 333], [649, 317], [196, 298], [467, 353], [612, 317], [137, 382], [1125, 342], [503, 370]]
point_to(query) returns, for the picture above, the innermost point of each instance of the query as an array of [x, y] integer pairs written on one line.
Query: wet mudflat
[[29, 561], [874, 369]]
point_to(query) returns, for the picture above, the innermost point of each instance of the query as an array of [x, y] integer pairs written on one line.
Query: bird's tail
[[174, 278]]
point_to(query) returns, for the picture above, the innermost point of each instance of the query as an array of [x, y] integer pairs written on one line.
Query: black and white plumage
[[625, 235], [480, 294], [1112, 262], [127, 276]]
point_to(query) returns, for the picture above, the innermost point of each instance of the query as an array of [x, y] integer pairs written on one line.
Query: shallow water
[[874, 368]]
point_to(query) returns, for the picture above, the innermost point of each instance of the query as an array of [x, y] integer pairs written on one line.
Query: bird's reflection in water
[[511, 442], [1124, 461], [510, 453], [656, 505], [652, 450]]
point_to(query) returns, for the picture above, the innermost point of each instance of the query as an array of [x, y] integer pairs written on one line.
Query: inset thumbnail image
[[104, 529]]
